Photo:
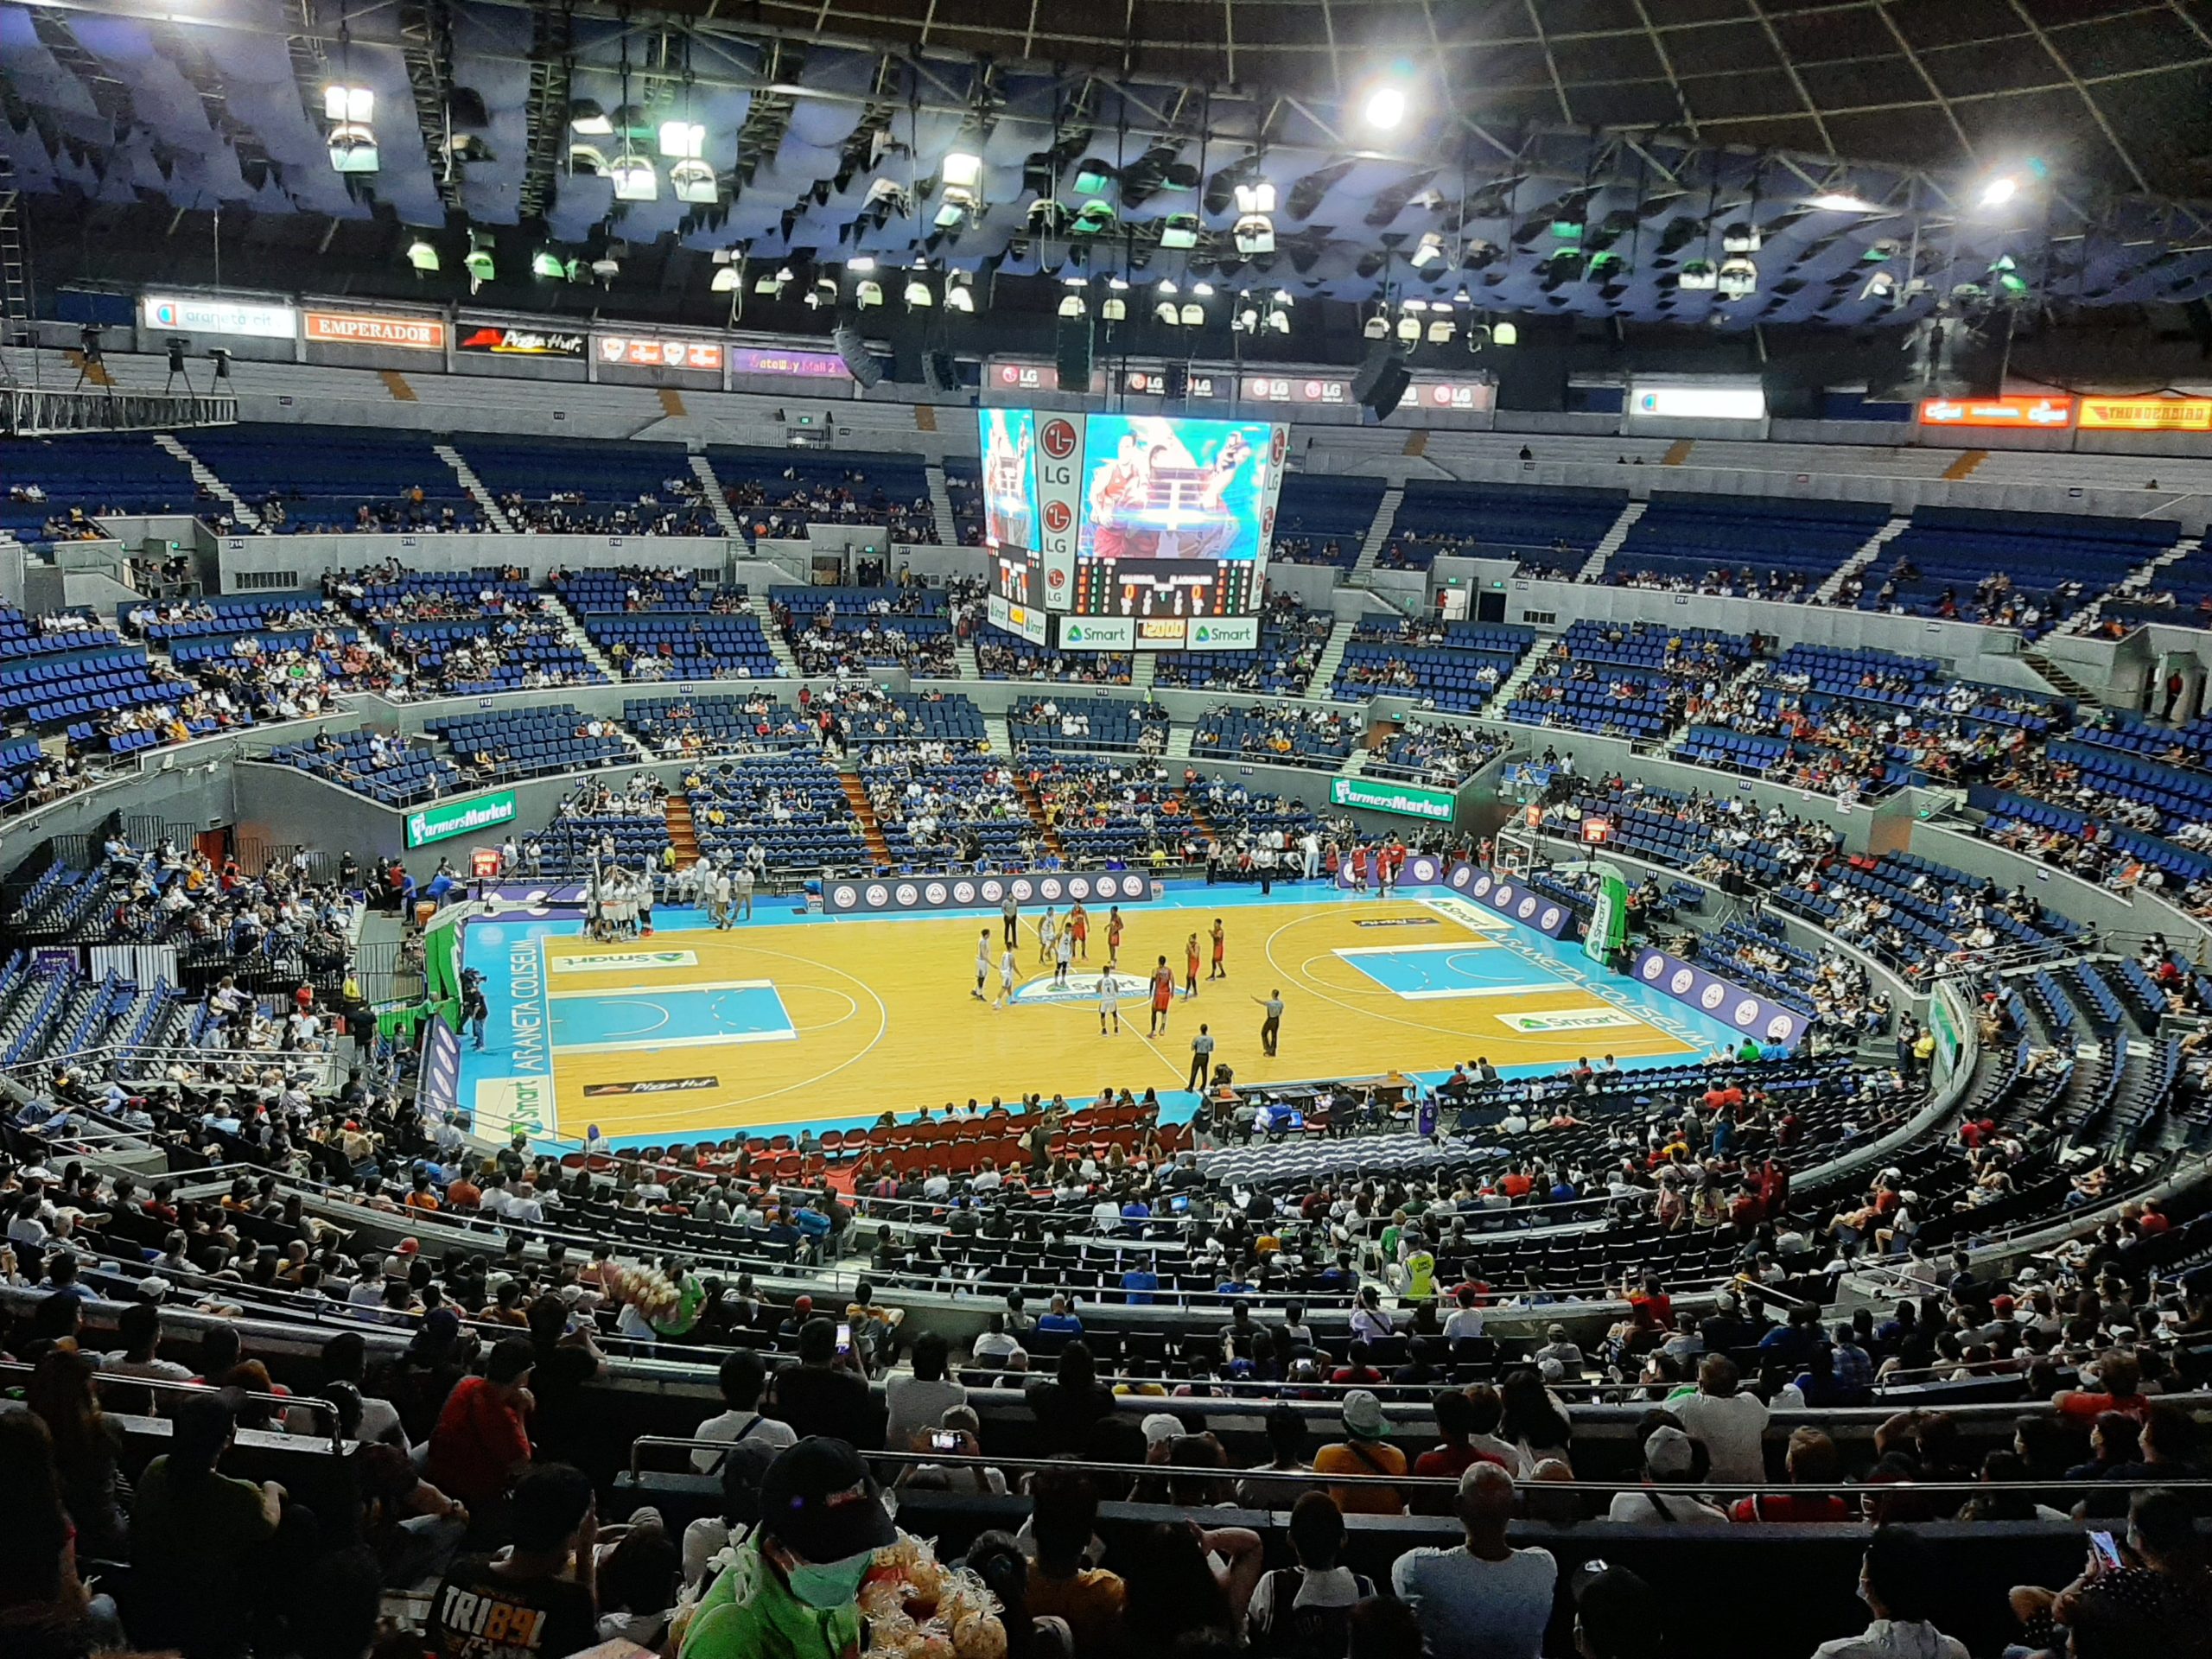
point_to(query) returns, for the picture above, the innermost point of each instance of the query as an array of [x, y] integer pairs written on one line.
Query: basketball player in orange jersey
[[1113, 935], [1220, 951], [1163, 997], [1191, 966], [1079, 928]]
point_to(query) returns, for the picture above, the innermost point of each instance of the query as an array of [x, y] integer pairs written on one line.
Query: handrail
[[124, 1379]]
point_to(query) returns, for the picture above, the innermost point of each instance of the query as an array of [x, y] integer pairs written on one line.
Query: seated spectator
[[543, 1584], [1483, 1599], [1305, 1611], [199, 1539], [917, 1399], [1363, 1451], [480, 1447], [958, 1434], [822, 1395], [1070, 1402], [1286, 1438], [1900, 1583], [1090, 1600], [1670, 1458], [1187, 1584], [1616, 1615], [1730, 1424], [2159, 1600], [1812, 1461], [86, 1450], [742, 1376]]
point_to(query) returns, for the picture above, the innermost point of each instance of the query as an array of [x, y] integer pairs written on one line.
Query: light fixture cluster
[[1174, 308], [960, 189], [1261, 314], [1255, 230], [350, 110]]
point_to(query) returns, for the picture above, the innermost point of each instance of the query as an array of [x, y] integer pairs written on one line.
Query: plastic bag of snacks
[[918, 1608]]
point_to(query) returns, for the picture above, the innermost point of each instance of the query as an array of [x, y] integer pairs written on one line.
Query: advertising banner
[[1608, 928], [1059, 504], [1451, 396], [1402, 800], [443, 819], [1159, 486], [438, 1095], [1689, 403], [1224, 633], [1098, 633], [1749, 1012], [2147, 415], [1153, 382], [498, 341], [933, 893], [1008, 439], [2016, 414], [639, 352], [202, 315], [1505, 896], [1023, 620], [787, 365], [1324, 392], [358, 328]]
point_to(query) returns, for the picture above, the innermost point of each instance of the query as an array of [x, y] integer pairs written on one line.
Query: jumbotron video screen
[[1177, 516]]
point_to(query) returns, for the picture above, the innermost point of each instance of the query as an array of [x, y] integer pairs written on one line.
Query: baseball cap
[[1668, 1452], [818, 1500], [1363, 1415], [1161, 1426]]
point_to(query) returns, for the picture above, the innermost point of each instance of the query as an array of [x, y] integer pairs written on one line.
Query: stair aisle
[[1594, 566], [683, 834], [864, 809], [1826, 592], [1332, 657], [204, 476], [948, 529], [495, 514], [1035, 807], [756, 606], [704, 470], [1378, 530]]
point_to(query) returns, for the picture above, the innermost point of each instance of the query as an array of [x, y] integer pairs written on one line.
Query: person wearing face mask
[[1900, 1584], [793, 1590]]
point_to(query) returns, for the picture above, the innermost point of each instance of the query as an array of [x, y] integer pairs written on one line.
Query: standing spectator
[[480, 1447], [1363, 1451], [740, 1419], [822, 1395], [1898, 1580], [1730, 1424], [199, 1539], [543, 1587], [1482, 1599], [1066, 1406], [1305, 1611]]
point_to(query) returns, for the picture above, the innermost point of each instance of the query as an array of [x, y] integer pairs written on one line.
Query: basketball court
[[792, 1019]]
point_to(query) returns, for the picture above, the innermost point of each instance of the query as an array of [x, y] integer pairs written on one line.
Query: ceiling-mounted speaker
[[1071, 354], [1179, 381], [852, 346], [1382, 380], [939, 372]]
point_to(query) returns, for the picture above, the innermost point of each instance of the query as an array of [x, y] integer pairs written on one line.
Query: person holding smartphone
[[956, 1435], [2147, 1593]]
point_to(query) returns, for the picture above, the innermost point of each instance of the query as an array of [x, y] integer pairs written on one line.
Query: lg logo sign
[[1057, 439], [1058, 516]]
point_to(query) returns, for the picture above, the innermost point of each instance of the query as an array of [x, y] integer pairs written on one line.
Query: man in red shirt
[[480, 1446], [1650, 1306], [1812, 1462], [2118, 1373]]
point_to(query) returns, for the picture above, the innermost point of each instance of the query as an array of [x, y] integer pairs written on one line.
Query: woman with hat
[[1363, 1451]]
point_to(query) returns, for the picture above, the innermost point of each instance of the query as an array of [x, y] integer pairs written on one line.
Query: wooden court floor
[[879, 1015]]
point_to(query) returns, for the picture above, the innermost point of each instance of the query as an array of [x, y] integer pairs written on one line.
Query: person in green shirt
[[1420, 1269], [791, 1590], [196, 1534]]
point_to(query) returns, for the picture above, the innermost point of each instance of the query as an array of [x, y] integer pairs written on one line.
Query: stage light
[[1377, 327], [771, 282], [2000, 190], [423, 255], [635, 178], [1441, 329], [1203, 291], [1115, 309], [1739, 238], [1071, 305], [479, 259], [587, 120], [683, 140], [1427, 251], [1169, 313], [1738, 278], [356, 105], [728, 278], [1505, 333], [824, 292], [694, 182], [1194, 314], [1180, 231], [1409, 329], [547, 264], [919, 295], [1698, 274], [352, 150], [1255, 230], [1119, 284], [1167, 288], [1092, 218], [869, 292], [959, 293], [961, 170], [861, 263], [1835, 202], [1386, 107], [1094, 178]]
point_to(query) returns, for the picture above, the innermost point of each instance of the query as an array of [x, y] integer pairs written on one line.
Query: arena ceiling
[[1574, 157]]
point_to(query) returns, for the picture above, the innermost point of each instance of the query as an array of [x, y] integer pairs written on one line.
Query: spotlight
[[861, 263], [1071, 305], [587, 120], [960, 293], [423, 255], [1377, 327], [1738, 278], [1254, 228], [1168, 312], [1194, 314], [1094, 178], [352, 150], [635, 177], [221, 355], [479, 260], [1114, 309], [176, 357], [2000, 190], [1698, 274], [683, 140], [548, 264], [1837, 201], [1505, 333], [1386, 107], [1180, 231], [1427, 251], [962, 171], [919, 297], [1409, 329], [867, 293], [349, 104], [694, 182], [772, 283], [728, 278], [1167, 288]]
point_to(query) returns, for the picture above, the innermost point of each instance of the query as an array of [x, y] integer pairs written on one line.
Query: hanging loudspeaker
[[853, 347], [1382, 380], [939, 372], [1072, 354]]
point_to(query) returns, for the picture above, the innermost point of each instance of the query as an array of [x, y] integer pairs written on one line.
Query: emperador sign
[[448, 818], [358, 329]]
